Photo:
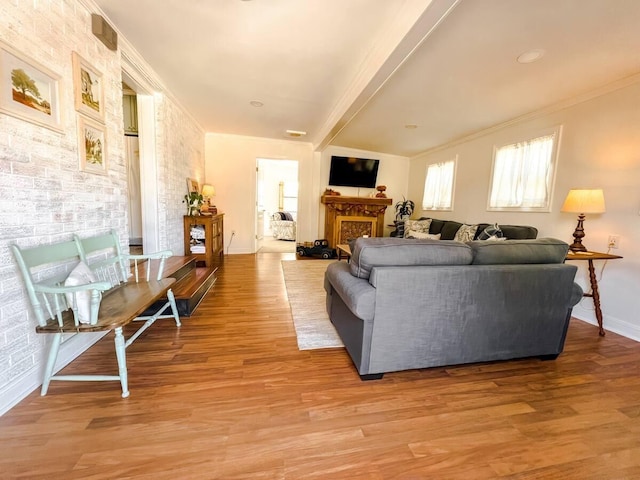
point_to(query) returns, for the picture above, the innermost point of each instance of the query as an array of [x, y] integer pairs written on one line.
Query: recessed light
[[295, 133], [411, 126], [256, 103], [531, 56]]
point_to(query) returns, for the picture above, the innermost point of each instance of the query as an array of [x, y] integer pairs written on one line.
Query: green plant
[[194, 201], [404, 209]]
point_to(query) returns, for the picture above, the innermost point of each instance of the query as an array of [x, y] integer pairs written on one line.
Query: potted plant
[[404, 209], [194, 201]]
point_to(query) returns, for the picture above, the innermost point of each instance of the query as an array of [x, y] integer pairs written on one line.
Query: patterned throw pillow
[[466, 233], [414, 234], [416, 226], [491, 233]]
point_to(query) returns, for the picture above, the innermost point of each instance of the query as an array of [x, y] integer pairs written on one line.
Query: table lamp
[[582, 201], [207, 192]]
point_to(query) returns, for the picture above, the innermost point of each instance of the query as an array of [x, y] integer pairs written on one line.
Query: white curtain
[[438, 186], [522, 173]]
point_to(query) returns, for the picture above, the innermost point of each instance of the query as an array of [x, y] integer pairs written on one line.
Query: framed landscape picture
[[192, 185], [92, 146], [28, 90], [88, 89]]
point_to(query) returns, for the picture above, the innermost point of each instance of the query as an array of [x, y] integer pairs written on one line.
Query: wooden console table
[[347, 218], [590, 257]]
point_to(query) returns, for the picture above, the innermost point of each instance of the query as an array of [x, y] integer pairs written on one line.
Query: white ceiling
[[354, 72]]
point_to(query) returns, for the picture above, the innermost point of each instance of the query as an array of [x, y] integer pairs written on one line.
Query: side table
[[590, 257], [343, 249]]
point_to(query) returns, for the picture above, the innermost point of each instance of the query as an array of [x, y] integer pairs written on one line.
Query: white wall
[[600, 147], [393, 171], [231, 168], [45, 198]]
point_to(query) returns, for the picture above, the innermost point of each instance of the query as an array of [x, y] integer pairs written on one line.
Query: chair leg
[[174, 307], [122, 361], [51, 362]]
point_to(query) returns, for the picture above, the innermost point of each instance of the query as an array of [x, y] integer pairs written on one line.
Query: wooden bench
[[122, 288]]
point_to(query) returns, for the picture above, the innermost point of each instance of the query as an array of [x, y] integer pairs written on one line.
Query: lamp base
[[577, 247], [578, 235]]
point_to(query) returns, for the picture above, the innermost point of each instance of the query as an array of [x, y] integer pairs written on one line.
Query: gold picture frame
[[88, 88], [28, 90], [92, 145], [192, 185]]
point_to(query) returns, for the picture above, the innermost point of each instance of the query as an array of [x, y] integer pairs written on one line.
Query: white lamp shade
[[208, 190], [584, 201]]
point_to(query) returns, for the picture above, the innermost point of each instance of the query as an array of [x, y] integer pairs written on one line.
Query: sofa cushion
[[449, 230], [388, 251], [542, 250]]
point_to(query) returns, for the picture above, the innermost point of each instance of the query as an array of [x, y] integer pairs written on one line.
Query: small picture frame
[[192, 185], [88, 88], [92, 145], [28, 90]]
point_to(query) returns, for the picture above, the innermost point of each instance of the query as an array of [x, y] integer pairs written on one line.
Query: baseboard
[[610, 324], [20, 388]]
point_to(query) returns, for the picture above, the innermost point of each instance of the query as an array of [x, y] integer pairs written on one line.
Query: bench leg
[[51, 362], [174, 307], [122, 361]]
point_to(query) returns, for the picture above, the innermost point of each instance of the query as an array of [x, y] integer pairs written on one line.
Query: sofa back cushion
[[388, 251], [542, 250]]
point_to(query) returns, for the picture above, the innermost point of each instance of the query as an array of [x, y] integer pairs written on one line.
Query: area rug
[[305, 288]]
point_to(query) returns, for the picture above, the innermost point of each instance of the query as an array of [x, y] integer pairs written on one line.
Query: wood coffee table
[[343, 249]]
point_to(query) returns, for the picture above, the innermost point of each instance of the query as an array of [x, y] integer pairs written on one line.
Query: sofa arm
[[356, 293], [576, 295]]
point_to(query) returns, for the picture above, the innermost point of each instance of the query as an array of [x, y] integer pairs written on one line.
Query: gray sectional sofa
[[403, 304]]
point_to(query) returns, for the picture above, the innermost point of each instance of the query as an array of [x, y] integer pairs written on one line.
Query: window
[[438, 186], [523, 174]]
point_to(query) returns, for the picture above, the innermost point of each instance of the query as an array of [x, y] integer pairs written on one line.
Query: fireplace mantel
[[351, 217]]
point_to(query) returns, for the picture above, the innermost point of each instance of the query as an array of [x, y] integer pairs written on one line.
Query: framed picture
[[92, 146], [88, 89], [28, 90], [192, 185]]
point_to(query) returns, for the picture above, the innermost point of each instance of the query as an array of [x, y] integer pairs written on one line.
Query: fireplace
[[347, 218]]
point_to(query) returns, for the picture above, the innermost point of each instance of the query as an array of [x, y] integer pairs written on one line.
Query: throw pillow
[[466, 233], [494, 238], [491, 231], [416, 226], [80, 275], [415, 234]]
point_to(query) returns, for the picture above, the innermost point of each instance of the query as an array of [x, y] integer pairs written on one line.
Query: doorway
[[132, 159], [276, 194]]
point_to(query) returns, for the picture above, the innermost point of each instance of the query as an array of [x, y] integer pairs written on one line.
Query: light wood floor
[[229, 396]]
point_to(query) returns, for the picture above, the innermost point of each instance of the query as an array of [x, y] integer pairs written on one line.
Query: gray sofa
[[403, 304]]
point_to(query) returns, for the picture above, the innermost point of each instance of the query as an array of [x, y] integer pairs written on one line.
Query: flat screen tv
[[353, 172]]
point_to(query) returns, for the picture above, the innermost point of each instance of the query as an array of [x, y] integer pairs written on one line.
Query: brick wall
[[44, 197]]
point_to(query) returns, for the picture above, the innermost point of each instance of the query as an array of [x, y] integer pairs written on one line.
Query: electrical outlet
[[614, 241]]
